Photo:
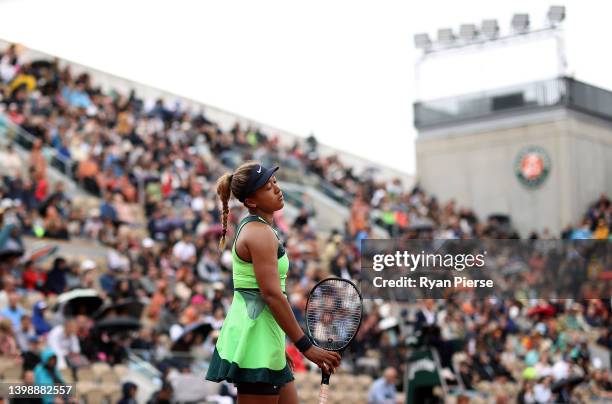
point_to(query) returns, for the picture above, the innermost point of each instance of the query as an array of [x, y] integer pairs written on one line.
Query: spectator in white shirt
[[208, 268], [542, 392], [12, 161], [185, 251], [9, 65], [560, 369], [64, 342], [8, 287], [117, 258], [543, 367]]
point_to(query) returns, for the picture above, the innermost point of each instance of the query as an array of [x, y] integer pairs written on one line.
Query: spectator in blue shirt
[[107, 209], [76, 96], [13, 312], [383, 390], [41, 326]]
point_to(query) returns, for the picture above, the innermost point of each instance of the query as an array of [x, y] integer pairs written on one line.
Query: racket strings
[[334, 313]]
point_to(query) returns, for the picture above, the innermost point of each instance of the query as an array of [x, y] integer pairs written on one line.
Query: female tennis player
[[250, 350]]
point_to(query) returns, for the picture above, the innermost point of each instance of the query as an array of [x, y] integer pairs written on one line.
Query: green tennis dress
[[251, 344]]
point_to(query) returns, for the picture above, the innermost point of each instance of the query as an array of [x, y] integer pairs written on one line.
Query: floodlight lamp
[[445, 35], [422, 41], [468, 32], [490, 29], [520, 23], [556, 14]]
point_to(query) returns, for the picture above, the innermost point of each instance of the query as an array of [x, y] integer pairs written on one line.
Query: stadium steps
[[89, 203], [144, 375], [330, 214], [76, 249], [11, 133]]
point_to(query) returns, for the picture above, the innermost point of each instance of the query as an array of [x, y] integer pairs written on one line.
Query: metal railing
[[483, 104], [12, 133], [196, 361], [137, 362], [590, 99], [16, 134], [327, 188]]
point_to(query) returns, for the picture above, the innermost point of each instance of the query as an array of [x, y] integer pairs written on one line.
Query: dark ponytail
[[224, 190], [229, 184]]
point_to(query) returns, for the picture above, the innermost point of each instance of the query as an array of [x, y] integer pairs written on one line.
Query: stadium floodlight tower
[[503, 129]]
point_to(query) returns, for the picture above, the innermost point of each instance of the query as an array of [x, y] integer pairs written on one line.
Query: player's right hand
[[327, 361]]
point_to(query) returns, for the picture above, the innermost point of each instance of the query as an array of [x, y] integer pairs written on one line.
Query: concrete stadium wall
[[590, 161], [477, 168]]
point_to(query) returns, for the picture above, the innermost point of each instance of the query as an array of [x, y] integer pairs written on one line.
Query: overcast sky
[[341, 69]]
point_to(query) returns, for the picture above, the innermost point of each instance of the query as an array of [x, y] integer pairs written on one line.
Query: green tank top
[[243, 273], [251, 344]]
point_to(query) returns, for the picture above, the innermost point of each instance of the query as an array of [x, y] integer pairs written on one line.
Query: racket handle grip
[[323, 393]]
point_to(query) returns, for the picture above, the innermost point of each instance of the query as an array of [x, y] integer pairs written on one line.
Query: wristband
[[303, 344]]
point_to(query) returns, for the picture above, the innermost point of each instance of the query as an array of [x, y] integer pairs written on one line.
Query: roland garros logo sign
[[532, 166]]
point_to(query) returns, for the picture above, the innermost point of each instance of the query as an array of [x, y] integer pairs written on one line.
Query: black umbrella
[[79, 301], [124, 307], [11, 249], [188, 337], [117, 324], [38, 64], [570, 382]]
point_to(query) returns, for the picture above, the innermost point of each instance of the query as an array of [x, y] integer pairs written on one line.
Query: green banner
[[422, 372]]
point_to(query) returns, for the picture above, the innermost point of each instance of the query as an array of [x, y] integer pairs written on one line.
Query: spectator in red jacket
[[33, 277]]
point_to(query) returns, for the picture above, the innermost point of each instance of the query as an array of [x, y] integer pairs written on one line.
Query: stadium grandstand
[[109, 226]]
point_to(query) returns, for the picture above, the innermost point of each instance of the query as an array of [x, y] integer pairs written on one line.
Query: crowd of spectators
[[125, 151]]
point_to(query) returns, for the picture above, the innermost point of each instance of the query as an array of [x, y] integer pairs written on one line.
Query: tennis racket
[[333, 317]]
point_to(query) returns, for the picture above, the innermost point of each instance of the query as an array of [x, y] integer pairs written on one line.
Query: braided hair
[[228, 184]]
